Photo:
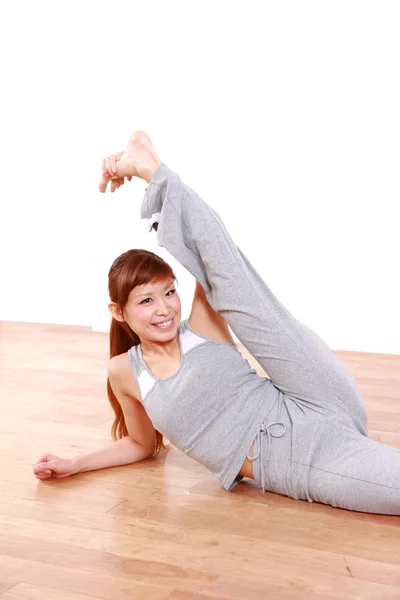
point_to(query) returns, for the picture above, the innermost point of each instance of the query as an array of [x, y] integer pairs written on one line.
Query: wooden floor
[[165, 528]]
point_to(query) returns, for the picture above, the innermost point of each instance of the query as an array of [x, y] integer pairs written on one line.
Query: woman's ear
[[116, 312]]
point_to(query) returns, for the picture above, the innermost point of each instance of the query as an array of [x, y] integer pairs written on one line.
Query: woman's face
[[153, 303]]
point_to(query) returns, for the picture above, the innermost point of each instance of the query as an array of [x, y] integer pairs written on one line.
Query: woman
[[302, 433]]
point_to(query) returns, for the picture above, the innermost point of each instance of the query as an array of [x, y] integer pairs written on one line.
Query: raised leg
[[298, 362]]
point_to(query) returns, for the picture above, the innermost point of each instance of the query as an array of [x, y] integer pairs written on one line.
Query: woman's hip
[[290, 441]]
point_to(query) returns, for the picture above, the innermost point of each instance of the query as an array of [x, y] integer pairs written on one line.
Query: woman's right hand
[[109, 170], [50, 465]]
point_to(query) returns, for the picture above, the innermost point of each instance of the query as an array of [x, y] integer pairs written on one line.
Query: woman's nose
[[163, 307]]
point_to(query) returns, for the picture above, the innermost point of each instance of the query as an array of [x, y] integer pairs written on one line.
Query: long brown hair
[[132, 268]]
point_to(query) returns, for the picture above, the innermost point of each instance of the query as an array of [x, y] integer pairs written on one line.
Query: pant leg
[[325, 459], [298, 362], [352, 471]]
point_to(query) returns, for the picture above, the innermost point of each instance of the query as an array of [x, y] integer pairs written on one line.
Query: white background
[[283, 116]]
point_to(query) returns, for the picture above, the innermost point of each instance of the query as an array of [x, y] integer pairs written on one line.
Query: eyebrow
[[149, 293]]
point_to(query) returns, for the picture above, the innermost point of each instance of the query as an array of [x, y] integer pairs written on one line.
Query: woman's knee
[[380, 501], [349, 398]]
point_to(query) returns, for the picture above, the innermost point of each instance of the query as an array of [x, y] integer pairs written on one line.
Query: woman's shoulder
[[119, 368]]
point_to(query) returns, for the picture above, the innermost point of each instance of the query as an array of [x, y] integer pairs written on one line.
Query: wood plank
[[63, 579], [6, 584], [25, 591]]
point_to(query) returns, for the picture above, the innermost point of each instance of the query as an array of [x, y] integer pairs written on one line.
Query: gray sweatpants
[[314, 444]]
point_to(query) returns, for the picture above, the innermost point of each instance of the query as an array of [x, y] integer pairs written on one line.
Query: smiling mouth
[[164, 324]]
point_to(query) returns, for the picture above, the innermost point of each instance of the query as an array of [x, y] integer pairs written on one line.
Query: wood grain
[[164, 528]]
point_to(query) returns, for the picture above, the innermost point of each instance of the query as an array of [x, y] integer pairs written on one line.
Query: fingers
[[103, 183], [43, 458], [109, 170], [107, 167], [41, 470], [116, 183], [41, 466], [43, 475], [113, 163], [104, 168], [46, 458], [109, 164]]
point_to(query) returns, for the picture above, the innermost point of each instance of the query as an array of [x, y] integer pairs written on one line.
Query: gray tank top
[[211, 408]]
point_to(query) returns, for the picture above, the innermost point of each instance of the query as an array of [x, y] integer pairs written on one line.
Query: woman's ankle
[[147, 171]]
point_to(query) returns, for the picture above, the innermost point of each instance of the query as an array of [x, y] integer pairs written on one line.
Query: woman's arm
[[122, 452], [140, 443], [205, 320], [138, 423]]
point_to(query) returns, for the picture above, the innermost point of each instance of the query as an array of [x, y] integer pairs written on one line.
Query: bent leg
[[352, 471], [298, 362], [324, 459]]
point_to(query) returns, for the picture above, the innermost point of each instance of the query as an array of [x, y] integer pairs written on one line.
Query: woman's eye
[[144, 301]]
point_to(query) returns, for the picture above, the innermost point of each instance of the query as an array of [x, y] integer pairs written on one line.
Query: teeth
[[166, 324]]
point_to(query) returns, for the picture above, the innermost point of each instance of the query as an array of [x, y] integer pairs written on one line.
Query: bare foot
[[139, 159]]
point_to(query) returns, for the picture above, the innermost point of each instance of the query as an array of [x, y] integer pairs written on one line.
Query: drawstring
[[265, 430]]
